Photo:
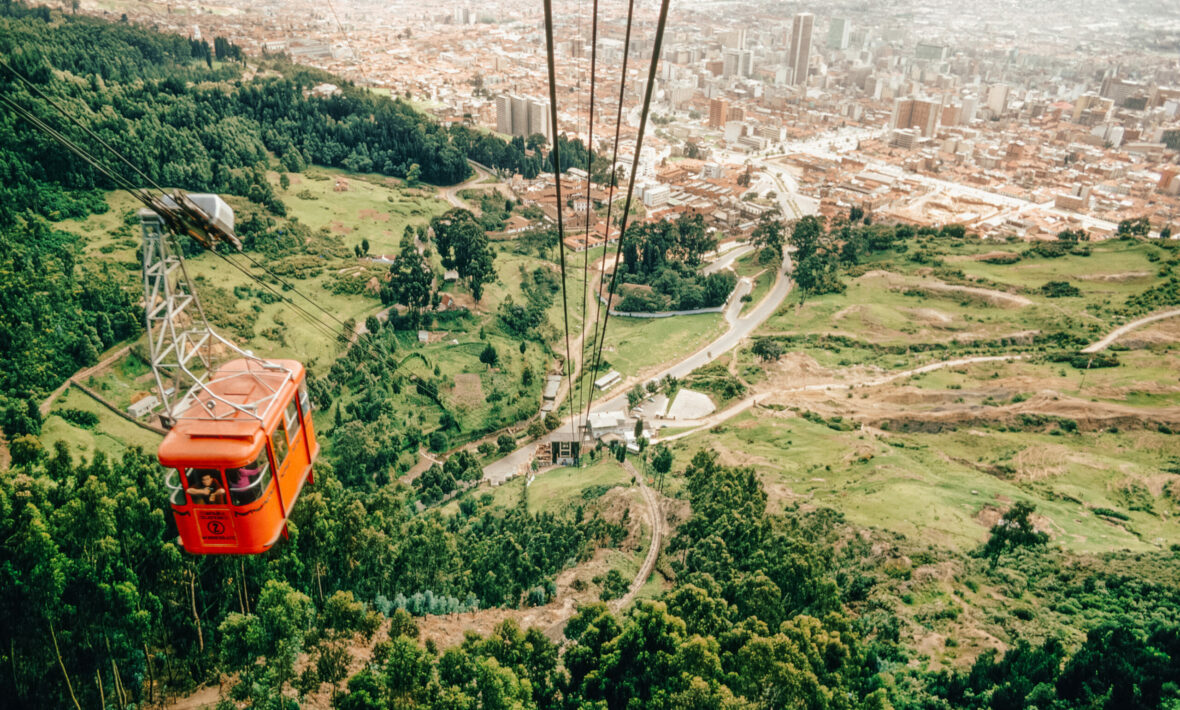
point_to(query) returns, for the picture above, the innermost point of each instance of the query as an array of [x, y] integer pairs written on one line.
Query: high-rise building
[[734, 39], [997, 99], [522, 116], [931, 52], [916, 113], [800, 56], [737, 62], [504, 114], [838, 33], [718, 113], [970, 106]]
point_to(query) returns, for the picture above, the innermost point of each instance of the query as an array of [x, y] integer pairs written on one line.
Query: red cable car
[[241, 451], [241, 439]]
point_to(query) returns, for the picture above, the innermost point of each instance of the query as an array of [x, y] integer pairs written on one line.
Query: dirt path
[[1123, 330], [657, 536], [748, 402], [726, 414], [82, 374], [998, 297]]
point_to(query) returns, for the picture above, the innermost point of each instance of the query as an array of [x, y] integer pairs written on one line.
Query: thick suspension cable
[[581, 381], [610, 199], [556, 155], [39, 123], [73, 119], [119, 181], [651, 80]]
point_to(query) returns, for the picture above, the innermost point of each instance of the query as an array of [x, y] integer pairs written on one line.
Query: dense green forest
[[660, 267], [792, 610]]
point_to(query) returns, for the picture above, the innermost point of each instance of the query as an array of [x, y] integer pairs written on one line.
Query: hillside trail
[[656, 517], [697, 426], [1123, 330], [81, 375]]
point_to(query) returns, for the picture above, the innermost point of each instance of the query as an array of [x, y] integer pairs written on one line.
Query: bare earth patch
[[373, 215], [1121, 276], [934, 286], [468, 389], [997, 298]]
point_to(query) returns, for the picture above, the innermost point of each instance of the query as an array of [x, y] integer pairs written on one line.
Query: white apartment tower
[[800, 57], [504, 114], [997, 99], [522, 116]]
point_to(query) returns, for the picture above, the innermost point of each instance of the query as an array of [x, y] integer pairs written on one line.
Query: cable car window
[[304, 402], [248, 483], [278, 444], [292, 420], [175, 490], [205, 486]]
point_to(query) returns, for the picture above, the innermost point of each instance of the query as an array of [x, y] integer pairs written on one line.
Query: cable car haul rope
[[598, 337]]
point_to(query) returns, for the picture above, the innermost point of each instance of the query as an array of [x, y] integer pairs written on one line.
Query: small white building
[[601, 424], [143, 407], [608, 380]]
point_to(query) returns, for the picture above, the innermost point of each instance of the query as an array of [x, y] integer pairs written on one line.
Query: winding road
[[740, 327]]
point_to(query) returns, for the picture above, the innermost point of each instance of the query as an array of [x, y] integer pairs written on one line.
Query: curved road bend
[[516, 462]]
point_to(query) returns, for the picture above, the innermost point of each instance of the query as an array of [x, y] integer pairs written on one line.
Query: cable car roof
[[229, 417]]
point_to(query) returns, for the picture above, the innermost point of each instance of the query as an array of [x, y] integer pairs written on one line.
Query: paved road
[[451, 194], [518, 461], [727, 259]]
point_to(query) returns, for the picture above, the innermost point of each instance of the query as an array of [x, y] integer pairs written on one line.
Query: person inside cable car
[[208, 490], [246, 483]]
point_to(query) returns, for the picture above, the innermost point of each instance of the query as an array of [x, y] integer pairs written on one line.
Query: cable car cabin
[[241, 453]]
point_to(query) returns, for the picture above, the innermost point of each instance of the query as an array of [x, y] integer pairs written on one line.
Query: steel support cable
[[141, 195], [556, 155], [81, 125], [575, 54], [39, 123], [581, 383], [360, 64], [146, 177], [610, 200], [651, 80], [124, 184]]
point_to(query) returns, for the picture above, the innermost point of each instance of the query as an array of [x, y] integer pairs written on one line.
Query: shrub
[[1060, 289], [79, 417]]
